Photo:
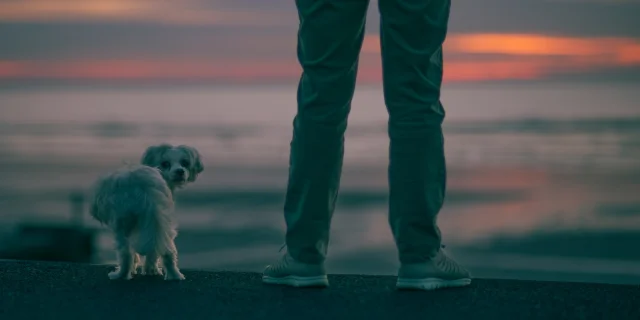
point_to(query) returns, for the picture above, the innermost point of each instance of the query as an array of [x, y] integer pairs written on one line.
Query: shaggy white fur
[[136, 203]]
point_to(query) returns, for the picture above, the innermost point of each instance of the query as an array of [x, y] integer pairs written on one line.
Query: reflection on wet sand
[[529, 224]]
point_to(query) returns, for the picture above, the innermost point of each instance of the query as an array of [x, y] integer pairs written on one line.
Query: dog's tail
[[156, 229]]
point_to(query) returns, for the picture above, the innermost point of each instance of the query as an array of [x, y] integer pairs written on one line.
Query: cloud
[[538, 45], [70, 41], [148, 70], [569, 18], [205, 39], [615, 49], [469, 57], [27, 9], [561, 17], [478, 56], [183, 12]]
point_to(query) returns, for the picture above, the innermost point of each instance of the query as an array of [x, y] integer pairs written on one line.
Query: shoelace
[[449, 265], [280, 265]]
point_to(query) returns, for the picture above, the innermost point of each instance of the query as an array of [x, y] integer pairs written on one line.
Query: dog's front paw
[[175, 275], [152, 271], [119, 275]]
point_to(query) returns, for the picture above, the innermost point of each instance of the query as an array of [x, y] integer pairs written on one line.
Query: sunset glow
[[169, 12], [511, 57], [619, 50], [147, 70], [251, 43], [66, 9]]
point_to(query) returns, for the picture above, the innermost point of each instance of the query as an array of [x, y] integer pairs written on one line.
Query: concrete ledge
[[44, 290]]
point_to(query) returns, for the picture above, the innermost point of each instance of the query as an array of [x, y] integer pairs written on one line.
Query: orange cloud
[[147, 70], [530, 44], [618, 50], [470, 57], [630, 55], [480, 56], [172, 12], [256, 71], [52, 9], [114, 70]]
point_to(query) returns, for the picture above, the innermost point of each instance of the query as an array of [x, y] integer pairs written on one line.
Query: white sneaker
[[289, 272], [440, 272]]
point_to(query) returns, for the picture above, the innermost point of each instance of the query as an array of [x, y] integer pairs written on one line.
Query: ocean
[[544, 179]]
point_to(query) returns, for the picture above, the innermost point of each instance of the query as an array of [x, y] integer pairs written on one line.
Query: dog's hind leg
[[170, 263], [136, 263], [151, 265], [125, 259]]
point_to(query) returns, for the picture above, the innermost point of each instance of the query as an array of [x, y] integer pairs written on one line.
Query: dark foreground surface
[[40, 290]]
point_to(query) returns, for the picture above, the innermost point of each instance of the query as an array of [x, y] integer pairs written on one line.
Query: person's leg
[[330, 36], [412, 33]]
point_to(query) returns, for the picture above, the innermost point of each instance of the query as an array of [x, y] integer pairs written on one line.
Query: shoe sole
[[431, 283], [296, 281]]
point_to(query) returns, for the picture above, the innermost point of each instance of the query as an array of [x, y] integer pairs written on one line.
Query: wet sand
[[38, 290]]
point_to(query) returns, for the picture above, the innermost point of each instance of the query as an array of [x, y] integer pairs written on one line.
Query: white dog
[[136, 203]]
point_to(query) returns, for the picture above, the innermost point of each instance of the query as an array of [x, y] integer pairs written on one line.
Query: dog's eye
[[165, 164], [184, 163]]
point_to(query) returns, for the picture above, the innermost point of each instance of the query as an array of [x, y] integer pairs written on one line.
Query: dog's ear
[[195, 163], [153, 154]]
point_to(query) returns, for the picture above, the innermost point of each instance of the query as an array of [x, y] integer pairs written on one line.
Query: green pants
[[329, 40]]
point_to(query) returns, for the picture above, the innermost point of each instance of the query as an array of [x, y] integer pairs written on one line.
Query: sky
[[253, 41]]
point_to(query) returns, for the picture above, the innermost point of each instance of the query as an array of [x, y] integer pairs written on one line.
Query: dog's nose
[[180, 172]]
